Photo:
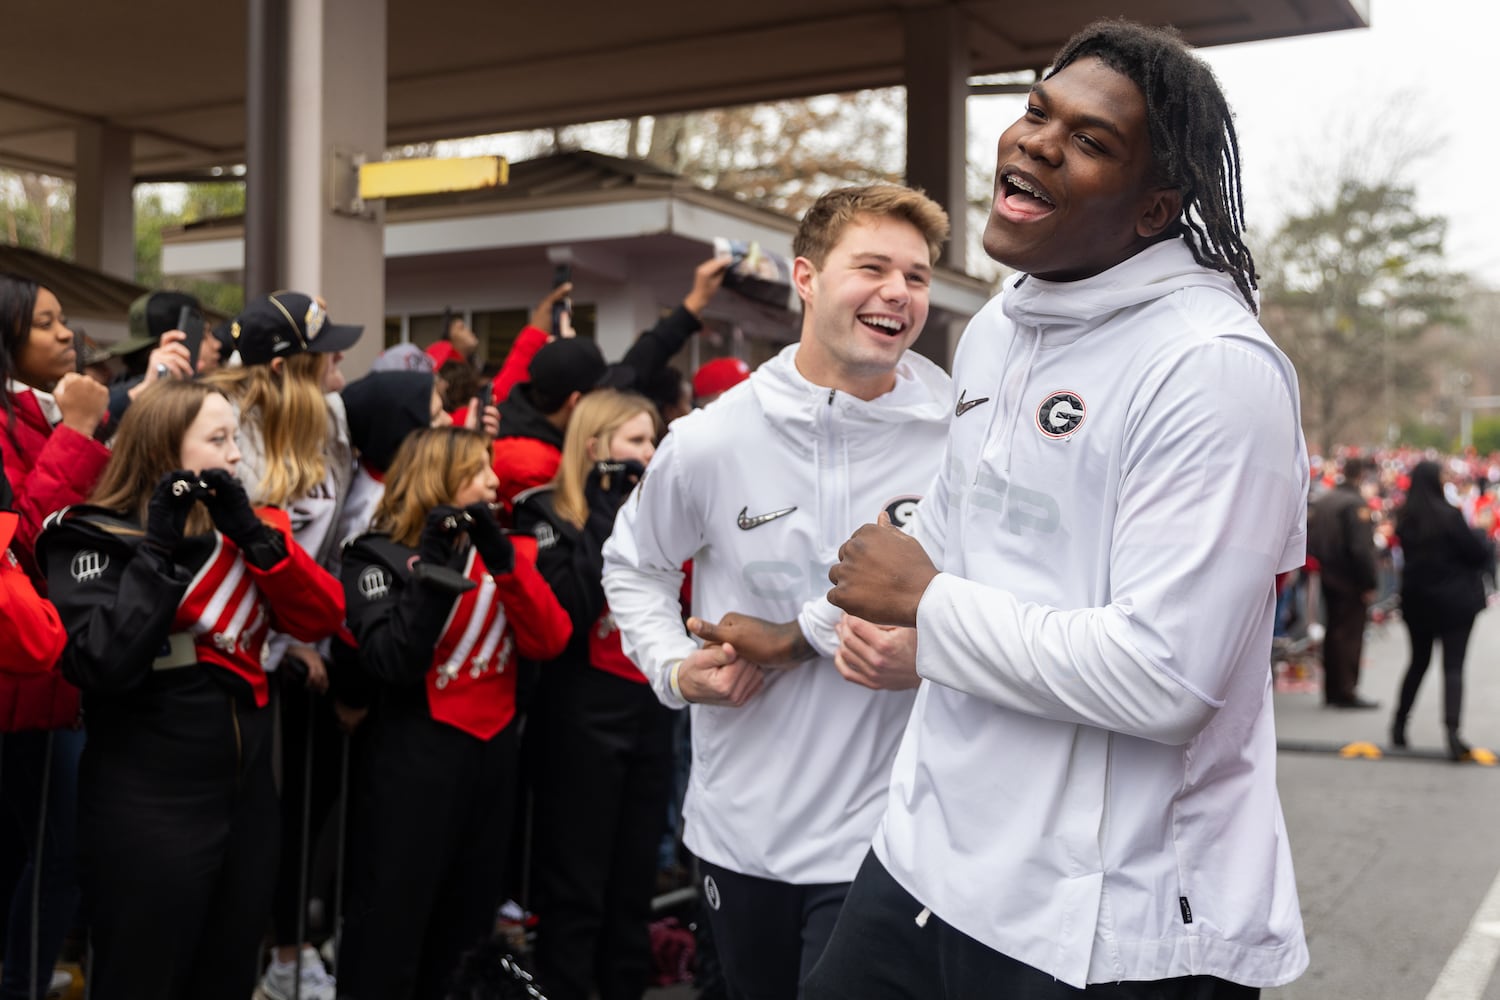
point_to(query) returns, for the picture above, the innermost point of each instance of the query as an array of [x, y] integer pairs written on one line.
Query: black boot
[[1398, 731], [1457, 748]]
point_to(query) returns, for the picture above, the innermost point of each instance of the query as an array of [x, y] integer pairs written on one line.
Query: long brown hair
[[148, 445], [430, 468], [289, 408], [595, 419]]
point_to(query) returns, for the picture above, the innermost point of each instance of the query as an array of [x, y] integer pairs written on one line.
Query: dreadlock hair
[[1192, 135]]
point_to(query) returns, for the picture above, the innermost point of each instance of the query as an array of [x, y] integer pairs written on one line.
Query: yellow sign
[[429, 175]]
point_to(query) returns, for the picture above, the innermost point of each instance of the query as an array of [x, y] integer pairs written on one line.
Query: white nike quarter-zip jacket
[[1088, 780], [760, 489]]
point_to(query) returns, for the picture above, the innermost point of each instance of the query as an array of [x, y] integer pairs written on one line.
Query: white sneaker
[[279, 982]]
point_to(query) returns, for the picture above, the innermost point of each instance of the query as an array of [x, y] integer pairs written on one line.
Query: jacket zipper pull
[[830, 396]]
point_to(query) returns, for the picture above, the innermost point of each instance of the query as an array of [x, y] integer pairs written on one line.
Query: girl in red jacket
[[48, 417], [442, 603], [31, 634], [169, 583]]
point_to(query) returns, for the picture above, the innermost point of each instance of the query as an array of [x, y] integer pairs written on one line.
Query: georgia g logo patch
[[902, 509], [1060, 414]]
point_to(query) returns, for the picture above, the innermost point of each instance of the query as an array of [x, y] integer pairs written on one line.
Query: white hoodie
[[1087, 783], [790, 786]]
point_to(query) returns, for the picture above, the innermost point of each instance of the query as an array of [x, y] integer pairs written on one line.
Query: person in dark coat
[[1342, 539], [1441, 592]]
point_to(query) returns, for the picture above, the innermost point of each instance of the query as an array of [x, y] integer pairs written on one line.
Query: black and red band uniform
[[177, 808], [598, 758], [434, 784]]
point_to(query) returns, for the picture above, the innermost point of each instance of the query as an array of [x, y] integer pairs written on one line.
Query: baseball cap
[[402, 358], [152, 315], [285, 323], [564, 367], [719, 375]]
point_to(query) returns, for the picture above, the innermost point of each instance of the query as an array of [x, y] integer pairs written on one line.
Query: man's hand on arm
[[881, 575], [716, 675], [878, 657], [764, 643]]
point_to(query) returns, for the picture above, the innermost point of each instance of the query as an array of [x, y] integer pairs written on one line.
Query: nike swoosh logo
[[746, 522], [963, 406]]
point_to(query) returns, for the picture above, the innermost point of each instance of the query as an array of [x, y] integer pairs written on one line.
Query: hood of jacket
[[519, 418], [383, 408], [1065, 310], [799, 410]]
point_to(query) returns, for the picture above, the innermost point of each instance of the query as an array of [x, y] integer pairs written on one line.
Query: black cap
[[564, 367], [285, 323]]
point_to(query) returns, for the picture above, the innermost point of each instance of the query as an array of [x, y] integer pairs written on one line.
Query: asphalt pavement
[[1397, 857]]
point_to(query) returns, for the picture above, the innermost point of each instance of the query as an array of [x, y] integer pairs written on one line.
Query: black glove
[[435, 549], [493, 544], [167, 511], [609, 483], [229, 506], [438, 535]]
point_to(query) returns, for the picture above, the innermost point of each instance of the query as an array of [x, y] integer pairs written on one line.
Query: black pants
[[769, 935], [22, 764], [879, 952], [177, 825], [599, 755], [308, 726], [1455, 642], [1343, 645], [427, 853]]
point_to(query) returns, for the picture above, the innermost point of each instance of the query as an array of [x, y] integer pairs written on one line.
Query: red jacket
[[441, 352], [517, 367], [31, 634], [55, 467], [521, 463]]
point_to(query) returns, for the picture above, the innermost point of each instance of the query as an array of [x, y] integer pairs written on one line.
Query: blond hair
[[595, 419], [148, 445], [289, 409], [824, 223], [430, 468]]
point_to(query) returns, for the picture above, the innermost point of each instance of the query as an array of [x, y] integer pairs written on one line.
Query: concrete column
[[265, 144], [937, 88], [336, 68], [103, 206]]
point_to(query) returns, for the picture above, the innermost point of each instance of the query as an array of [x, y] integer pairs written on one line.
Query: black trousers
[[769, 935], [599, 757], [879, 952], [427, 853], [308, 726], [177, 826], [1455, 640], [1343, 645]]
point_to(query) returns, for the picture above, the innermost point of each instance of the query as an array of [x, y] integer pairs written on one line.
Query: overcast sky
[[1425, 70]]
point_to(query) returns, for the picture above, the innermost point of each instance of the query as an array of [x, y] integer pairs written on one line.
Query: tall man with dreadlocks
[[1085, 797]]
